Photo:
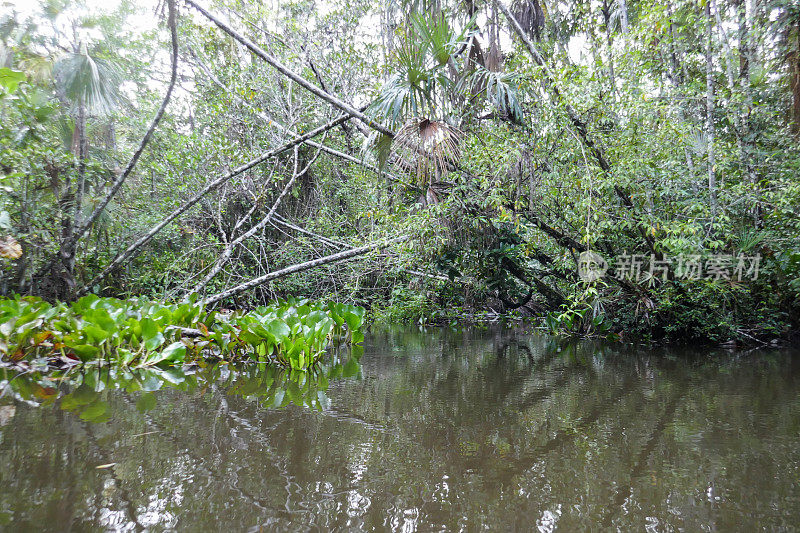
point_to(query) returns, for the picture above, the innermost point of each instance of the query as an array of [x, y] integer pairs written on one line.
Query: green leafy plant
[[144, 333]]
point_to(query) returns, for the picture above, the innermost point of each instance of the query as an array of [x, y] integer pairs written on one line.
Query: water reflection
[[438, 429], [84, 391]]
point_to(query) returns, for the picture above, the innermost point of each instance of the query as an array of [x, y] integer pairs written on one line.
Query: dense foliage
[[501, 141]]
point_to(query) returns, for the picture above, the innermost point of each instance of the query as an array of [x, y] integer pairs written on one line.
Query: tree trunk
[[610, 46], [623, 16], [83, 148], [712, 167], [674, 63], [794, 66], [729, 57], [747, 145], [63, 266], [68, 246], [115, 187]]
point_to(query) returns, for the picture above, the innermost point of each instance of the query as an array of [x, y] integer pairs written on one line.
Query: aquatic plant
[[141, 332]]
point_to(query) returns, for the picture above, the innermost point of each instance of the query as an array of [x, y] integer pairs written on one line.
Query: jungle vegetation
[[429, 160]]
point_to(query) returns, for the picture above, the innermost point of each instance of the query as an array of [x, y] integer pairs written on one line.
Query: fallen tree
[[273, 122], [231, 246], [212, 185], [283, 69], [580, 126], [328, 259]]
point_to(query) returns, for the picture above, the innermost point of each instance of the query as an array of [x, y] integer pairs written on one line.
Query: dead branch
[[334, 258]]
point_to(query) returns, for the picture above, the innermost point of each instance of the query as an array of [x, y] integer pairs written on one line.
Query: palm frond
[[404, 94], [38, 68], [428, 148], [437, 37], [88, 81], [420, 64], [380, 145], [748, 239], [501, 90]]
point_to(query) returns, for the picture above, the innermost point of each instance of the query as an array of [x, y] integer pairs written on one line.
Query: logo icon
[[591, 266]]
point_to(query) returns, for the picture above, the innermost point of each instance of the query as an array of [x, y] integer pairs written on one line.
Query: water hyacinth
[[140, 332]]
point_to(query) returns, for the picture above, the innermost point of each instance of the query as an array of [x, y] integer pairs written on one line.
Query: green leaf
[[10, 79], [152, 382], [354, 316], [324, 401], [149, 328], [85, 351], [351, 368], [356, 352], [97, 411], [154, 342], [83, 395], [174, 352], [84, 304], [125, 356], [96, 334]]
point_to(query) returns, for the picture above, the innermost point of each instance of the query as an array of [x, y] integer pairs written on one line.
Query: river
[[433, 429]]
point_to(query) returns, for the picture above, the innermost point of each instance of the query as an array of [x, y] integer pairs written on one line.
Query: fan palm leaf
[[428, 148], [87, 81], [500, 89], [420, 64]]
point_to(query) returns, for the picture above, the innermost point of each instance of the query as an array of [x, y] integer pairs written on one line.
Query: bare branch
[[213, 185], [228, 251], [334, 258], [283, 69]]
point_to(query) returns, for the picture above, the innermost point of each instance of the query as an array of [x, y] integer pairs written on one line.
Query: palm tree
[[439, 82], [87, 86]]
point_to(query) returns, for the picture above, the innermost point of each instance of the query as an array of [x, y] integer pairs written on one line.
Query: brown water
[[433, 430]]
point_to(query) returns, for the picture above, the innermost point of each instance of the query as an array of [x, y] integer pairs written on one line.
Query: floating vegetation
[[137, 333]]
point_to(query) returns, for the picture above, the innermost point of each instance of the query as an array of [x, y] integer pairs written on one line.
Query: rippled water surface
[[433, 430]]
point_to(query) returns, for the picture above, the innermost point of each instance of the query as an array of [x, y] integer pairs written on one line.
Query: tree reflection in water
[[437, 429]]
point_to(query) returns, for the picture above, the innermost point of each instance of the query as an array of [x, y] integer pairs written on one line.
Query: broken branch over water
[[334, 258]]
